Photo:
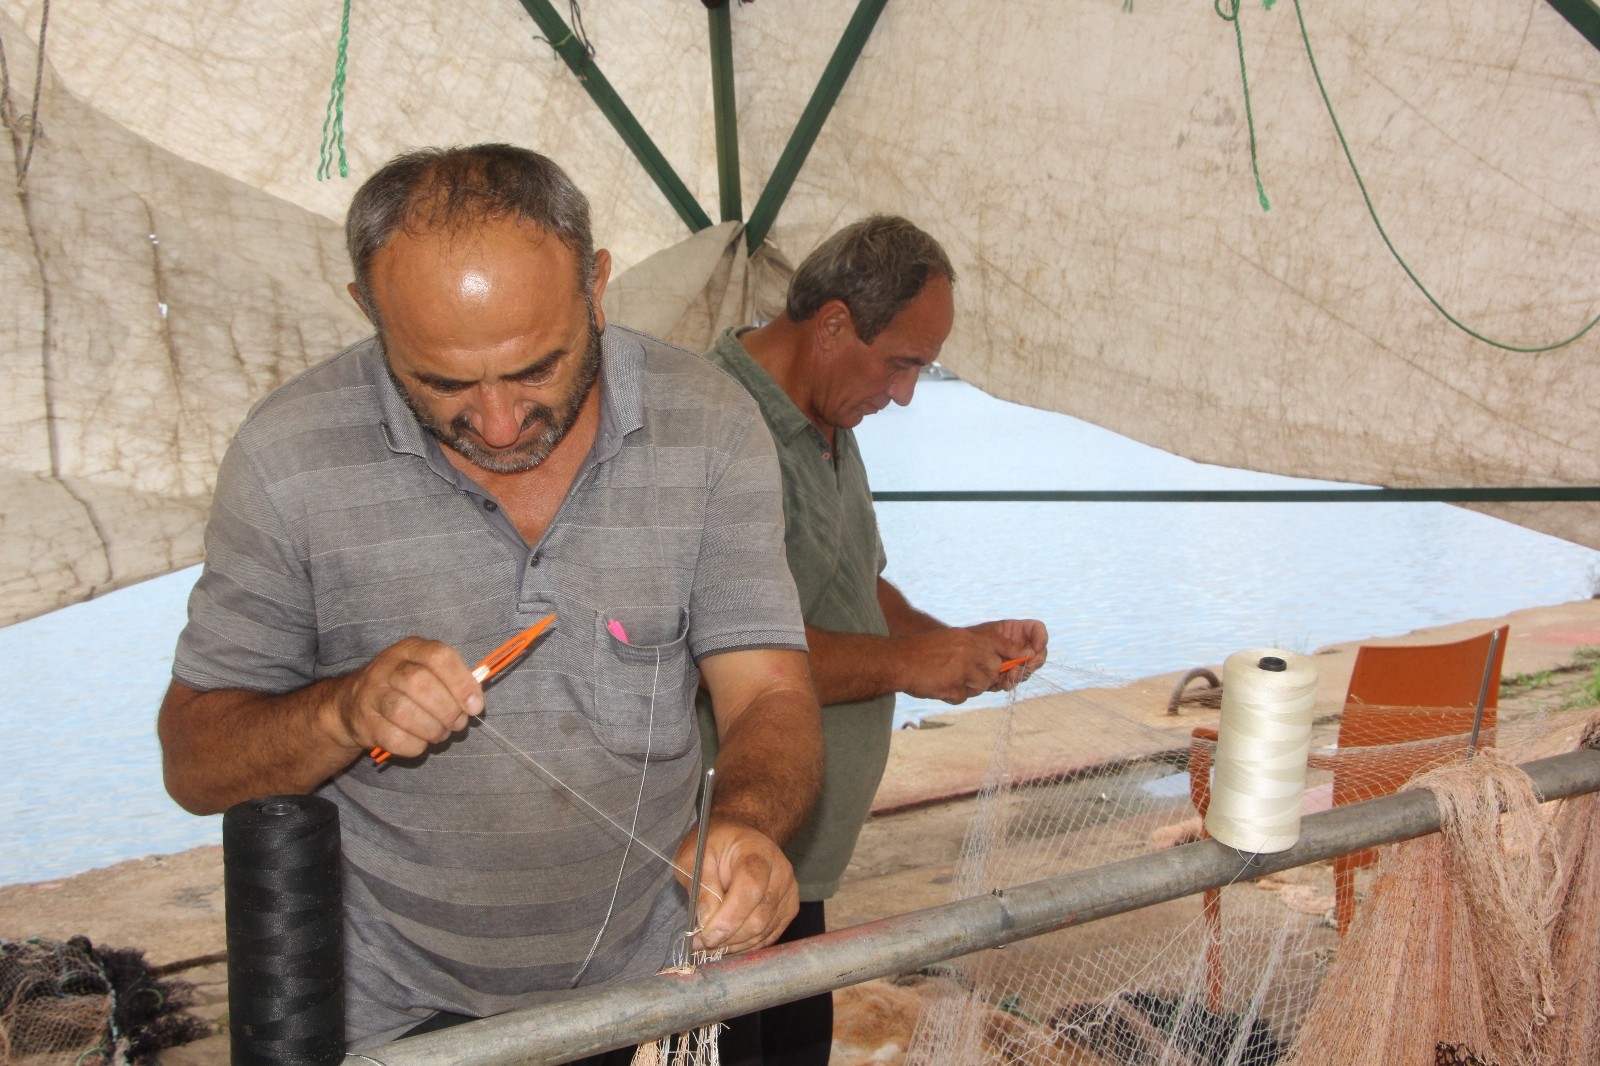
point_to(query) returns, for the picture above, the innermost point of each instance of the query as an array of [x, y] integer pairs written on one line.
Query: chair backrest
[[1399, 699]]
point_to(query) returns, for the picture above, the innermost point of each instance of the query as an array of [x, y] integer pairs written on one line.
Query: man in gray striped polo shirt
[[493, 455]]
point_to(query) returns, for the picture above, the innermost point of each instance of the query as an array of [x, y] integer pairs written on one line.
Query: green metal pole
[[725, 108], [1584, 16], [811, 120], [570, 49]]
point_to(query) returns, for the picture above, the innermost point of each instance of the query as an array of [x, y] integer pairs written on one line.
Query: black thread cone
[[285, 920]]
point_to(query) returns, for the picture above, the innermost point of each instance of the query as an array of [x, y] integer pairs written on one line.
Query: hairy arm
[[223, 747], [769, 770], [921, 656]]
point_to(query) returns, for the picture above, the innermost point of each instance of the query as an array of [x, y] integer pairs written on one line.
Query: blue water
[[1126, 589], [1130, 589]]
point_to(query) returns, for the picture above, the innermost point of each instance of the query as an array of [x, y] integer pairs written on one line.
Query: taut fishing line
[[627, 850], [547, 772]]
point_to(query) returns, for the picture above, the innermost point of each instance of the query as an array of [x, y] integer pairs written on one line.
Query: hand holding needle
[[496, 661]]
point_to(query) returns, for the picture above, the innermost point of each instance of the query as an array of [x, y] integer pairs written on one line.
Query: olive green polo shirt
[[835, 555]]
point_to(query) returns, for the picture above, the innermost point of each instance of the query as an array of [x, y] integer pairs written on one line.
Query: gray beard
[[553, 422]]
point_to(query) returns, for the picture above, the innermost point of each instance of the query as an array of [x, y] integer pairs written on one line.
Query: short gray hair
[[454, 188], [875, 266]]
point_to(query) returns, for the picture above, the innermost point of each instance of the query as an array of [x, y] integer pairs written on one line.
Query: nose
[[902, 387], [498, 423]]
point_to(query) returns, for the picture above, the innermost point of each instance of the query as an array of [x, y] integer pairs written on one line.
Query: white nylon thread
[[638, 802], [1268, 702]]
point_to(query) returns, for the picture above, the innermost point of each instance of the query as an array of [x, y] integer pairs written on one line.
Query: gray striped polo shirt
[[479, 877]]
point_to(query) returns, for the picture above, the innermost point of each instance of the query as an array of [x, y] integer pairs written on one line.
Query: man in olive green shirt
[[866, 312]]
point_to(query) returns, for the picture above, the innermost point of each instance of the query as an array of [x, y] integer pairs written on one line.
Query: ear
[[602, 274], [355, 294], [833, 324]]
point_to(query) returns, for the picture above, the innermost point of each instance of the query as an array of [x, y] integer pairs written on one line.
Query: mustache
[[460, 425]]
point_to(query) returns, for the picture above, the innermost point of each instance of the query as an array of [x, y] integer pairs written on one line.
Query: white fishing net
[[1163, 984]]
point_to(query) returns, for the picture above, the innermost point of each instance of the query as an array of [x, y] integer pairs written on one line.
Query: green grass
[[1510, 686], [1587, 694]]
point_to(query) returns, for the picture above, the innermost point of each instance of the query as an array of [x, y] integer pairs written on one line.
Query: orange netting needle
[[496, 661], [1009, 663]]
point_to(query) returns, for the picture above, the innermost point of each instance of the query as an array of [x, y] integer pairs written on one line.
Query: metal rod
[[699, 862], [1541, 494], [811, 121], [1483, 693], [725, 110], [618, 1015], [581, 63]]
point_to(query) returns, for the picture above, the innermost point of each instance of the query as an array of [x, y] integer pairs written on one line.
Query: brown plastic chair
[[1405, 696]]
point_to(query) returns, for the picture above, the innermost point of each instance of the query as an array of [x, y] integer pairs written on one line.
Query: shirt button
[[533, 560], [827, 455], [490, 505]]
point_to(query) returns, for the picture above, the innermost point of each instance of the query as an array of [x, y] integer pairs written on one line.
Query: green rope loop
[[1372, 211], [333, 121], [1232, 15], [555, 46]]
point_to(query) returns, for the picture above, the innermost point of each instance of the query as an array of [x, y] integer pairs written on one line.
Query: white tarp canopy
[[169, 255]]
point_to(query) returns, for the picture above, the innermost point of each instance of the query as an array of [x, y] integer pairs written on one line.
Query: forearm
[[921, 656], [221, 748], [769, 764], [769, 728], [849, 667]]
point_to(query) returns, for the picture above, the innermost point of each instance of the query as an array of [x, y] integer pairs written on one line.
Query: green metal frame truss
[[811, 121], [1584, 16], [725, 106], [720, 21], [570, 49]]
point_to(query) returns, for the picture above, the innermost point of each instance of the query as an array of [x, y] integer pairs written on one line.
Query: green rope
[[1306, 37], [555, 46], [333, 122], [1229, 11], [1232, 15]]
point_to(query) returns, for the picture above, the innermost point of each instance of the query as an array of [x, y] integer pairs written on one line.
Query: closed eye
[[539, 373], [442, 386]]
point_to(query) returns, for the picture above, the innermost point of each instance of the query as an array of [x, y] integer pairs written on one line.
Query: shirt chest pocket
[[644, 681]]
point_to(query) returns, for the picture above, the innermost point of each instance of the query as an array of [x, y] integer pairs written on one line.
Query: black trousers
[[790, 1034]]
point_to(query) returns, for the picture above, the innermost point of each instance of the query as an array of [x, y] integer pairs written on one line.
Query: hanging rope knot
[[24, 123], [27, 122]]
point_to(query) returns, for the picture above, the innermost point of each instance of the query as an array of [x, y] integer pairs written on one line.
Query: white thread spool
[[1268, 698]]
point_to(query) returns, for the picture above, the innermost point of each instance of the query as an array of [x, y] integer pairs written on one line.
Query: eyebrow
[[538, 366]]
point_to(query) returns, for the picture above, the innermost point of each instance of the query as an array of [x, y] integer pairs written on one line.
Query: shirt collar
[[784, 419]]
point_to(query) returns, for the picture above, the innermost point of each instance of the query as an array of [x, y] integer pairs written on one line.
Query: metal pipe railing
[[589, 1021]]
